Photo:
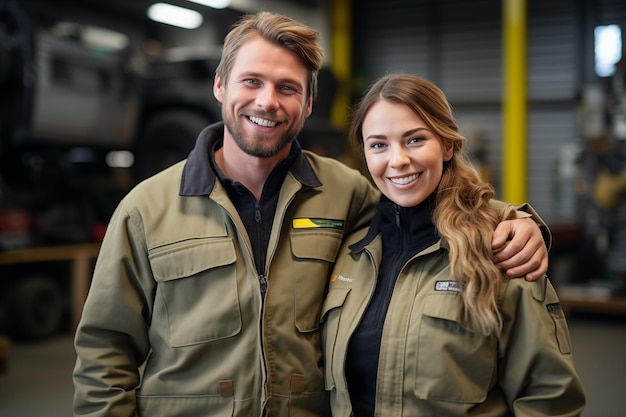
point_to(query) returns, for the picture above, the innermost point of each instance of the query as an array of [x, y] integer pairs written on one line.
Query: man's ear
[[218, 89], [309, 107]]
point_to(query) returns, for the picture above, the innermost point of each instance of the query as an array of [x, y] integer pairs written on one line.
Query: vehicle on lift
[[68, 105]]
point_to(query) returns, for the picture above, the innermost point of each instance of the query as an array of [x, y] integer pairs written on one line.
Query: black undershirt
[[257, 217], [404, 232]]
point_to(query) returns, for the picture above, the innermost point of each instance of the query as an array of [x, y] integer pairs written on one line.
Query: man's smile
[[262, 122]]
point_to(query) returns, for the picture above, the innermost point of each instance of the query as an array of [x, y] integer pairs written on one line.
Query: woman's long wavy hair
[[463, 215]]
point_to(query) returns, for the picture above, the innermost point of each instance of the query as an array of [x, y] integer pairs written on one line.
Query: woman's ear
[[448, 150]]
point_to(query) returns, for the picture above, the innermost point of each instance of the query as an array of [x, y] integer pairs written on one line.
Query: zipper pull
[[397, 216], [257, 212], [263, 283]]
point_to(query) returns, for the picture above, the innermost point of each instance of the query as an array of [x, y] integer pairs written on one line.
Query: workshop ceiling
[[136, 9]]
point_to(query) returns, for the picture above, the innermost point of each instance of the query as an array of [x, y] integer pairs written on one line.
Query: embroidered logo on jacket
[[335, 277], [310, 223], [447, 286], [554, 307]]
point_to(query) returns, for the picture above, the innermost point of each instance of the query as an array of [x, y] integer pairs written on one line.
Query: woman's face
[[404, 157]]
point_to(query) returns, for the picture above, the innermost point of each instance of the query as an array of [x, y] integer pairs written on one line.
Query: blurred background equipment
[[94, 100], [85, 113], [602, 261], [73, 93]]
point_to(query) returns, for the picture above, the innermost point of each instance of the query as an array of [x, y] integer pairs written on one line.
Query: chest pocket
[[453, 363], [197, 290], [315, 251]]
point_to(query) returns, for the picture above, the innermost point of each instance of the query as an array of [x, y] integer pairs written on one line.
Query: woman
[[418, 320]]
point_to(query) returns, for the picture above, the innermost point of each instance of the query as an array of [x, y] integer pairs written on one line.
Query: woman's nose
[[399, 156]]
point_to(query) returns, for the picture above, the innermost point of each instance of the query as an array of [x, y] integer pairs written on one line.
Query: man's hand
[[520, 249]]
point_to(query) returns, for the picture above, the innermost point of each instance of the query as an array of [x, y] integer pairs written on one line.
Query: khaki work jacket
[[431, 363], [175, 324]]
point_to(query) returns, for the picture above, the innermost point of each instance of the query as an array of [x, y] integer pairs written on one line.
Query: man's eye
[[250, 81], [287, 88]]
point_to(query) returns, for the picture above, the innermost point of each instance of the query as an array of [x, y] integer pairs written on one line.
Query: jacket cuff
[[525, 210]]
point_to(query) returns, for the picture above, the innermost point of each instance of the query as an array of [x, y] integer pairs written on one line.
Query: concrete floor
[[38, 382]]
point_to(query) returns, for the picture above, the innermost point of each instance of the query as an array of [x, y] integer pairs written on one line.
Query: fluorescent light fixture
[[216, 4], [174, 15], [120, 159], [104, 38], [608, 49], [92, 36]]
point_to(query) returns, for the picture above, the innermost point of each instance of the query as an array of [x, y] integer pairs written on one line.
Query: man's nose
[[267, 98]]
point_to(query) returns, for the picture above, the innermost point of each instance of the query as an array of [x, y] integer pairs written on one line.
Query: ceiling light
[[216, 4], [105, 39], [174, 15]]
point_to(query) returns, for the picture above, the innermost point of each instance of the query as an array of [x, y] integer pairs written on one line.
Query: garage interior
[[92, 90]]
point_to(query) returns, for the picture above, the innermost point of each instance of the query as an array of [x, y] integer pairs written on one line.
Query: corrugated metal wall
[[458, 45]]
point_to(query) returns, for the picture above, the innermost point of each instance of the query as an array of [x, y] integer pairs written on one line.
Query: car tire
[[36, 309]]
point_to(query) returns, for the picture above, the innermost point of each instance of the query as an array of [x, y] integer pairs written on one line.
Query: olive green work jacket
[[175, 293], [431, 363]]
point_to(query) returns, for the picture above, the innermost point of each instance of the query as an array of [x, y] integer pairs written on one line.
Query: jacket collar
[[199, 176], [393, 221]]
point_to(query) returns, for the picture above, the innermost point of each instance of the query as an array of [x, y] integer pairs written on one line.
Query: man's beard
[[258, 148]]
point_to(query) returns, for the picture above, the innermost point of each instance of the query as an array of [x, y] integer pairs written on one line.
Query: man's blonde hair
[[280, 30]]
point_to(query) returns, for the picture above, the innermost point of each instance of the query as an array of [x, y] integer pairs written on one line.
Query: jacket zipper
[[263, 284], [259, 237], [263, 358], [397, 215]]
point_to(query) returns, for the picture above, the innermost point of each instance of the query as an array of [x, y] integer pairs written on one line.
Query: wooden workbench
[[614, 305], [80, 256]]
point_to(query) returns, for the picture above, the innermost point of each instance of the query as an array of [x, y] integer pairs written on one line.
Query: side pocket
[[453, 363], [196, 405], [197, 283], [315, 251], [330, 320], [560, 327], [544, 292]]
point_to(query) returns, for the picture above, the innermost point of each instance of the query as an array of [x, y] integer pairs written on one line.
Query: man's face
[[264, 102]]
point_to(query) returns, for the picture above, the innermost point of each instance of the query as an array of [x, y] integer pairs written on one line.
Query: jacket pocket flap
[[316, 244], [335, 298], [183, 259], [437, 307]]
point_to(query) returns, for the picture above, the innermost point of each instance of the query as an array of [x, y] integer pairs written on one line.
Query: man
[[206, 295]]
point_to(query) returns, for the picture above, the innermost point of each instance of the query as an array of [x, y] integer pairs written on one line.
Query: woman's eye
[[417, 140]]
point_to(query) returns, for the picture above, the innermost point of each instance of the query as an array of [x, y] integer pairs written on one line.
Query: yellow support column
[[341, 59], [515, 105]]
